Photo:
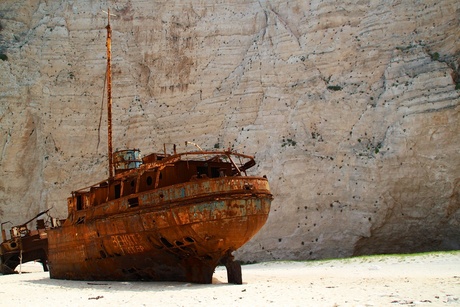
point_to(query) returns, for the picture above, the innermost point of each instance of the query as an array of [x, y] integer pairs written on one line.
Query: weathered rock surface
[[351, 108]]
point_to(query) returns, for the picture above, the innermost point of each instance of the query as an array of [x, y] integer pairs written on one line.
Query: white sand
[[412, 280]]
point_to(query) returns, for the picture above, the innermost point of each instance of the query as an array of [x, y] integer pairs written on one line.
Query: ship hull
[[178, 233], [15, 251]]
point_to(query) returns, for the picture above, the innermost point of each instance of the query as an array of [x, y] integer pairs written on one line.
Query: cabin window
[[215, 172], [202, 170], [128, 187], [133, 202], [79, 202], [149, 180], [117, 190]]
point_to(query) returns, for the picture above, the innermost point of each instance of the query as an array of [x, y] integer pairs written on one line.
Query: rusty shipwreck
[[162, 217], [24, 244]]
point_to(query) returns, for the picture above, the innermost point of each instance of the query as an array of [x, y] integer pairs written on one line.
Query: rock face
[[351, 109]]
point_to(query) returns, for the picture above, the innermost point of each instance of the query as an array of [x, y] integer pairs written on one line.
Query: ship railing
[[240, 162]]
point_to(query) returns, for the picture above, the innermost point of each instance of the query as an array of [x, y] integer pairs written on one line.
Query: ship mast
[[109, 95]]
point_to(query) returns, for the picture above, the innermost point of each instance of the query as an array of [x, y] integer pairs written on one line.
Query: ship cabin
[[135, 174]]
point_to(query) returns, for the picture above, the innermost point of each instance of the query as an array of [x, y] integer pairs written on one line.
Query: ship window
[[117, 190], [215, 172], [133, 202], [202, 170], [179, 243], [79, 202], [166, 242], [132, 183], [188, 239], [149, 180]]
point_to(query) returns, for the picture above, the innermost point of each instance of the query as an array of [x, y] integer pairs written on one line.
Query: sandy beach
[[431, 279]]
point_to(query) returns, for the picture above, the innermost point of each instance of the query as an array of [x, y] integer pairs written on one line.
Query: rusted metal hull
[[20, 250], [176, 233]]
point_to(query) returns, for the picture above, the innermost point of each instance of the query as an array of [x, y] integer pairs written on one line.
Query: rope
[[100, 116]]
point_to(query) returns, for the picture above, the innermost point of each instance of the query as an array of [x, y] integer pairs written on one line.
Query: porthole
[[149, 180], [188, 239], [166, 242]]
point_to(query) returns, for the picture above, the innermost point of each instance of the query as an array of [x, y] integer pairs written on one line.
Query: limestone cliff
[[350, 107]]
